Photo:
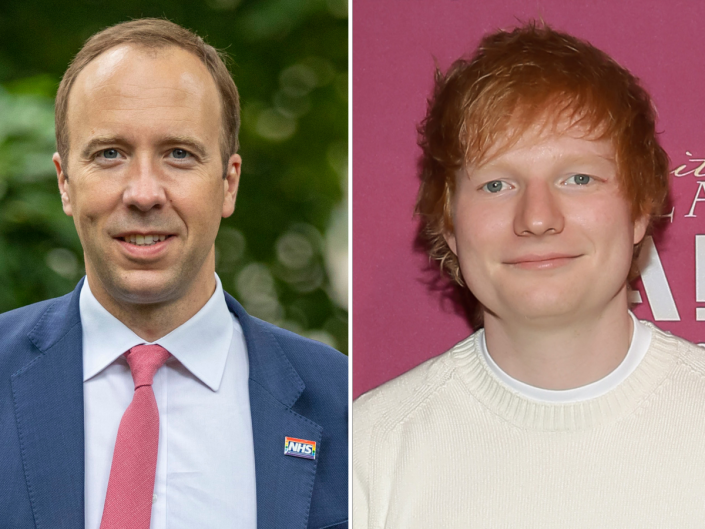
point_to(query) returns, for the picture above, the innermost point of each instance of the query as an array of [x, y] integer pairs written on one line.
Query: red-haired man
[[541, 175]]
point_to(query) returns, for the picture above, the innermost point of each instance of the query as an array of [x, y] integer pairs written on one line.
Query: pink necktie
[[128, 503]]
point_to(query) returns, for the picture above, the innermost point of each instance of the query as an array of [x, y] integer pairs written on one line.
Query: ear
[[230, 184], [449, 236], [640, 226], [64, 189]]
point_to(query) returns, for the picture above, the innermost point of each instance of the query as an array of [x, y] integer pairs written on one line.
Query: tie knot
[[144, 361]]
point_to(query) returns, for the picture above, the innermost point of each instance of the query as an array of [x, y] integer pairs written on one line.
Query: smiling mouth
[[145, 240], [542, 261]]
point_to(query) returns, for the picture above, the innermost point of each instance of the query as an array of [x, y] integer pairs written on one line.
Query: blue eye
[[579, 179], [180, 153], [495, 186], [110, 154]]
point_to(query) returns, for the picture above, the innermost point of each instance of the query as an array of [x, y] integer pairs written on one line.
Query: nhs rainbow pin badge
[[299, 448]]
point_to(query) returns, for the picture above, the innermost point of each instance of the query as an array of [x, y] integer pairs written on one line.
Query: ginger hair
[[514, 80]]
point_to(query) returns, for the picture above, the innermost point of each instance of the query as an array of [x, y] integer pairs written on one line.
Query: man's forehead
[[139, 61], [124, 83], [135, 71], [522, 132], [103, 66]]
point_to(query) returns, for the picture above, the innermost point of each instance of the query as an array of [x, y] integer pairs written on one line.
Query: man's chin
[[145, 287], [543, 309]]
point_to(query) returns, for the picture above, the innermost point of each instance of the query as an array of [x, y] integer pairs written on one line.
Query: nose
[[539, 211], [144, 189]]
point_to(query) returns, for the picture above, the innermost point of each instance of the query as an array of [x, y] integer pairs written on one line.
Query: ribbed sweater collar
[[525, 413]]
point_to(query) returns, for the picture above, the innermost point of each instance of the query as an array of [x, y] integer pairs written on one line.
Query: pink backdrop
[[398, 322]]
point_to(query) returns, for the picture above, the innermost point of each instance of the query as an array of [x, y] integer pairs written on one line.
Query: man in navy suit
[[252, 418]]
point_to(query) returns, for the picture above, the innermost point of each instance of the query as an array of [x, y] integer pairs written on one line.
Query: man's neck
[[151, 321], [569, 354]]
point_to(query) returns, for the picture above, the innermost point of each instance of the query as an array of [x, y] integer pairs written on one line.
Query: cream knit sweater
[[447, 445]]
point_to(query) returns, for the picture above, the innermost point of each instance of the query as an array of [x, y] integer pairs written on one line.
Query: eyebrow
[[188, 142], [191, 143], [98, 142], [568, 159]]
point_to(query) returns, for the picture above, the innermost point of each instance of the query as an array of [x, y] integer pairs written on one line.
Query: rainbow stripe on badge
[[299, 448]]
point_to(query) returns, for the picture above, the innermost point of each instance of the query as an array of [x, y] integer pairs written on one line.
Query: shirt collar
[[201, 344], [640, 342]]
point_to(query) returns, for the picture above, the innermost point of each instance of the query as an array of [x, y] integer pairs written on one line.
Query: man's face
[[145, 177], [541, 230]]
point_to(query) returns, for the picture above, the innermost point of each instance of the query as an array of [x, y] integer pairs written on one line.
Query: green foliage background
[[283, 253]]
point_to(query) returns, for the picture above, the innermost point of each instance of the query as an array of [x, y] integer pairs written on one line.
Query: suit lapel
[[48, 402], [284, 483]]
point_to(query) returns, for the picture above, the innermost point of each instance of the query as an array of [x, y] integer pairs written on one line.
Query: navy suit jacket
[[298, 388]]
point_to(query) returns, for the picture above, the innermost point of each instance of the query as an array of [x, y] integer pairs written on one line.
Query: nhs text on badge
[[299, 448]]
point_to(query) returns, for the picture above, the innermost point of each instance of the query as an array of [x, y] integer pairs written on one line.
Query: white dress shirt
[[206, 464], [641, 339]]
